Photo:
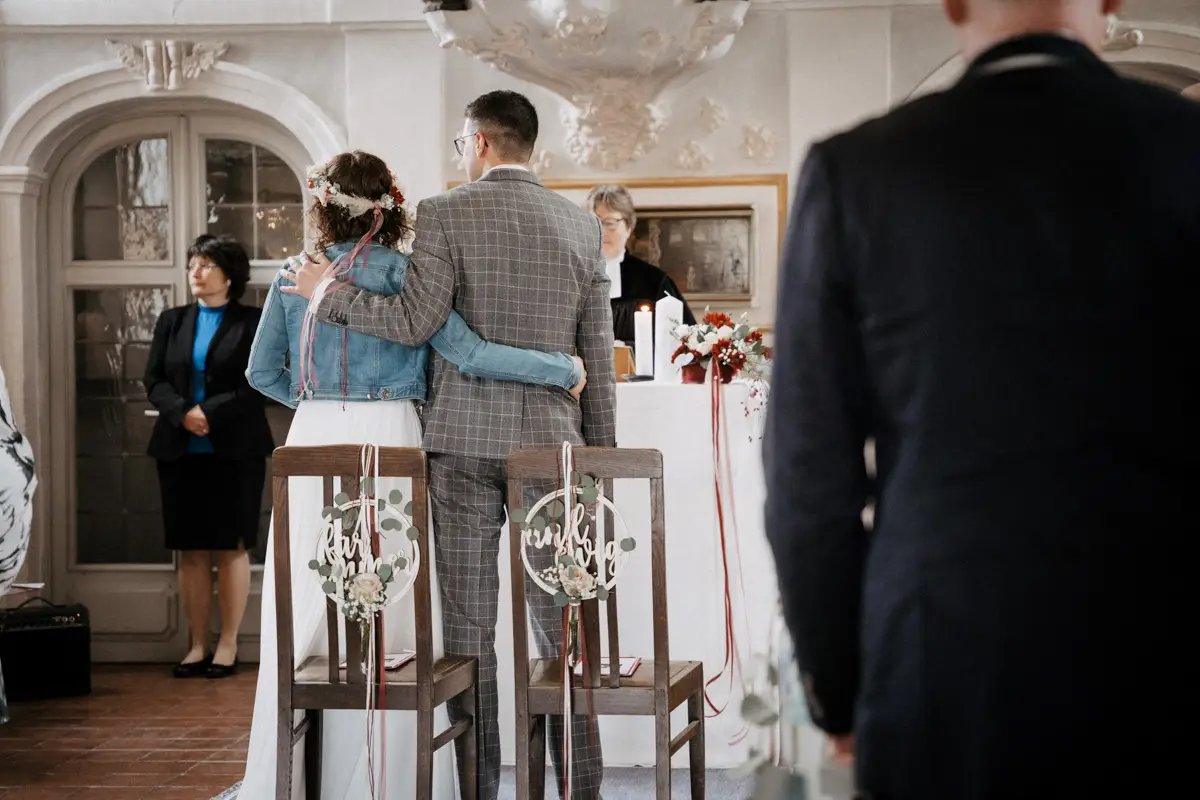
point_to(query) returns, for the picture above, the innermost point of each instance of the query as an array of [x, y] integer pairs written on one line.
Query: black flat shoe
[[221, 670], [192, 669]]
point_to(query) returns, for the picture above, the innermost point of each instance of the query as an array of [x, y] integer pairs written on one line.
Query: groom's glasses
[[461, 142]]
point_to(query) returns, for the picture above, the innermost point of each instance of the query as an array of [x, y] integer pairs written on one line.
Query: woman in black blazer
[[211, 442]]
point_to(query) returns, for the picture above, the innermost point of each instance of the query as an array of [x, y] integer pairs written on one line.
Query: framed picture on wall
[[708, 252]]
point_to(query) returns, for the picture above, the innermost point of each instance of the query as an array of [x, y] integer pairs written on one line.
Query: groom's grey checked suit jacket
[[523, 266]]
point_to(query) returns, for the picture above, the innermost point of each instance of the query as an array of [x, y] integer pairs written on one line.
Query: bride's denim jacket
[[376, 369]]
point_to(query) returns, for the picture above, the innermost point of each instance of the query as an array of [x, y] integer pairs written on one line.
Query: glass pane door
[[117, 513]]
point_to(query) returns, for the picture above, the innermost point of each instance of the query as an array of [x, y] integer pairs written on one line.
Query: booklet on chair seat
[[629, 665], [393, 661]]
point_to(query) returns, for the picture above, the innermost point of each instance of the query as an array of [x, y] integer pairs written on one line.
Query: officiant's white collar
[[613, 265]]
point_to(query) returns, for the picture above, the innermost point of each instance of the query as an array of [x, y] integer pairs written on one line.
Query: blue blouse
[[207, 322]]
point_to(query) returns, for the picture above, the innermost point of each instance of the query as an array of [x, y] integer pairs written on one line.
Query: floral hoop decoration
[[735, 349], [584, 568], [359, 583], [329, 193]]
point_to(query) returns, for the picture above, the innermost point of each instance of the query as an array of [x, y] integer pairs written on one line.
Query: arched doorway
[[124, 203]]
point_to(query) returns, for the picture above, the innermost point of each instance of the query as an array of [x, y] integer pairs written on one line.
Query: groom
[[523, 266]]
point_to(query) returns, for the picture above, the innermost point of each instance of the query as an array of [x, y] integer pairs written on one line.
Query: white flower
[[704, 348], [577, 581], [366, 588], [724, 333], [682, 331]]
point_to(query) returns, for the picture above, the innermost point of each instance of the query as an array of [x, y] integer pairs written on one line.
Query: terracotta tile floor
[[141, 735]]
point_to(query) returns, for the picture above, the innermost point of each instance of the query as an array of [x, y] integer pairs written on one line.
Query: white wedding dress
[[344, 770]]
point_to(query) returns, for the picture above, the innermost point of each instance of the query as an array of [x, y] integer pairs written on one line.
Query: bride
[[353, 389]]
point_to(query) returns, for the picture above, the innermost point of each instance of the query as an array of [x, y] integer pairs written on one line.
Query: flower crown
[[326, 193]]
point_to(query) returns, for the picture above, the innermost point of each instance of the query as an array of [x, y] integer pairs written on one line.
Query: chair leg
[[468, 776], [425, 749], [537, 759], [285, 744], [696, 745], [662, 749], [312, 755]]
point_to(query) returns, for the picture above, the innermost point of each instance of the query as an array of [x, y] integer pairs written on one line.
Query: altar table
[[676, 419]]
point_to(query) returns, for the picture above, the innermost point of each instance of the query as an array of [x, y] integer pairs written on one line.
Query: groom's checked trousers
[[469, 497]]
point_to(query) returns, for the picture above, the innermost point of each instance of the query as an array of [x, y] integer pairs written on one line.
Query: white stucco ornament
[[168, 64], [712, 115], [693, 157], [758, 143], [1120, 36], [613, 66]]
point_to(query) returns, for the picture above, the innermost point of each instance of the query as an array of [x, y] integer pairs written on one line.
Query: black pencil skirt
[[211, 503]]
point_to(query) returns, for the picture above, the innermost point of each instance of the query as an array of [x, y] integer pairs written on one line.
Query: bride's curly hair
[[358, 174]]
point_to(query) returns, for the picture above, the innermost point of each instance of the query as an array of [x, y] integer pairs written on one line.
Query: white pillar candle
[[668, 315], [643, 341]]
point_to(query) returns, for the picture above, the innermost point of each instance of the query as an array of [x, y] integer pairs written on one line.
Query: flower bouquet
[[731, 349]]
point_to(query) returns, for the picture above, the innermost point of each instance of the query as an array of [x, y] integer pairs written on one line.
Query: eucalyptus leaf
[[628, 544], [413, 534], [408, 509], [565, 560], [602, 594], [401, 563], [587, 481], [589, 495], [324, 570], [380, 504], [368, 485], [538, 523], [384, 573], [757, 711], [557, 509], [328, 587], [341, 499], [741, 332], [389, 524], [327, 512], [561, 600], [337, 514], [314, 564], [395, 497], [518, 516]]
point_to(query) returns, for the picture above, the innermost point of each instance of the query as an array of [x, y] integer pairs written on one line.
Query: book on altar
[[622, 361], [393, 661], [629, 665]]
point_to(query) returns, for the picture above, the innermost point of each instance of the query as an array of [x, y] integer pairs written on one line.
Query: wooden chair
[[657, 687], [317, 684]]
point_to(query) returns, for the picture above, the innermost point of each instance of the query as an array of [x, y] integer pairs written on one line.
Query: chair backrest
[[345, 462], [604, 464]]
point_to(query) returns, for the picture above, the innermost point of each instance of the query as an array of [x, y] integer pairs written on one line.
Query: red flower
[[768, 353], [717, 319], [753, 337]]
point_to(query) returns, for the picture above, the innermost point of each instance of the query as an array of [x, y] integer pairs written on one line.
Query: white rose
[[705, 348], [724, 333], [576, 581], [366, 588], [681, 331]]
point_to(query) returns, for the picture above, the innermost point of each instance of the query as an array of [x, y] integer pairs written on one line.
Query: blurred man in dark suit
[[968, 280]]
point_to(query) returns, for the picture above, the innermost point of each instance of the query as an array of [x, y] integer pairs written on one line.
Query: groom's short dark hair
[[509, 121]]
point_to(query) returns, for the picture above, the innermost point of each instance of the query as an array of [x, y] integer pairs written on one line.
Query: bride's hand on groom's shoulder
[[577, 389]]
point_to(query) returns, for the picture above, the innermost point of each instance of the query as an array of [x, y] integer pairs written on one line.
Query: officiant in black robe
[[635, 283]]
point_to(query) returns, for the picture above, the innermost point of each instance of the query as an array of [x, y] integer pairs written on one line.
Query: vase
[[698, 373]]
